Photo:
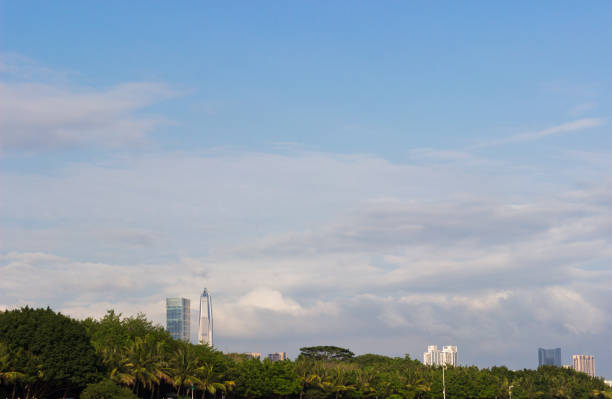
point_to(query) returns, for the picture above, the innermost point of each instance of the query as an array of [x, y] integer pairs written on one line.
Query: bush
[[106, 390]]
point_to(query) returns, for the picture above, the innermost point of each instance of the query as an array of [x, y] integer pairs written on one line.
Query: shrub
[[106, 390]]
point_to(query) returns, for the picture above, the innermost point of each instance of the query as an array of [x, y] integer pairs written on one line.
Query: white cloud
[[317, 248], [265, 298], [38, 116]]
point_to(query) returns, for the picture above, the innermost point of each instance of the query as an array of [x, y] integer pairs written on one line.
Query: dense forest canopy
[[44, 354]]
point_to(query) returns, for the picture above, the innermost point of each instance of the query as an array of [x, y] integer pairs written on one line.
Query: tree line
[[47, 355]]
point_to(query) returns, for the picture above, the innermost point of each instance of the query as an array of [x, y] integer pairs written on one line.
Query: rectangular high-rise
[[584, 364], [205, 330], [178, 318], [549, 357]]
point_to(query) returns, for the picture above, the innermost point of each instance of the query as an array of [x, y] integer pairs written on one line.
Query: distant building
[[549, 357], [277, 356], [178, 318], [584, 364], [205, 330], [253, 355], [608, 382], [432, 356], [437, 357]]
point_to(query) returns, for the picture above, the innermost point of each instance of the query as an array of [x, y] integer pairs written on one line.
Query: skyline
[[369, 177]]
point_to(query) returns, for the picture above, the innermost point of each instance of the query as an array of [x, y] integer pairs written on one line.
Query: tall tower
[[205, 332], [178, 318]]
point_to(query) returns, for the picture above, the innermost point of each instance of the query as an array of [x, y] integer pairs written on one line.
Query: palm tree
[[183, 367], [306, 374], [335, 382], [7, 372], [208, 381], [529, 387], [559, 387], [417, 385], [383, 388], [143, 363], [365, 380]]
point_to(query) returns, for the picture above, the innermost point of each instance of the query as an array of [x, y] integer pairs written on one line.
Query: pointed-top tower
[[205, 331]]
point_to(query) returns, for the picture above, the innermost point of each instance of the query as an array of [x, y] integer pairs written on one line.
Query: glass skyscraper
[[205, 331], [178, 318], [549, 357]]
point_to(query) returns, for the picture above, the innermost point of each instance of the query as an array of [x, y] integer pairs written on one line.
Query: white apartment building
[[437, 357]]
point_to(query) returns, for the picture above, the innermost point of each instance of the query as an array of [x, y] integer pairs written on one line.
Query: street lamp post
[[510, 391], [444, 381]]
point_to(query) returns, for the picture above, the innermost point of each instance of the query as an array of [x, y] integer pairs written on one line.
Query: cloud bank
[[317, 248]]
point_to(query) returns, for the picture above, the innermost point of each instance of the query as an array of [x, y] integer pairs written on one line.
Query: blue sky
[[334, 77], [381, 177]]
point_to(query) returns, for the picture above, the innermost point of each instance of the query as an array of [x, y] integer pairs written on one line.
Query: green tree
[[281, 377], [106, 389], [307, 375], [144, 363], [208, 381], [335, 382], [55, 351], [183, 366], [326, 353]]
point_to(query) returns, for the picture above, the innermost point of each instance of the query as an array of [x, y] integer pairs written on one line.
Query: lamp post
[[192, 391], [443, 381], [510, 391]]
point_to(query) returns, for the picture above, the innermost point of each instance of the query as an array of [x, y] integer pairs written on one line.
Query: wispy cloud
[[573, 126], [41, 110]]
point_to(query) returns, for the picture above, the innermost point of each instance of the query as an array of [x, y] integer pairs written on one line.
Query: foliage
[[326, 353], [51, 352], [106, 389], [48, 355]]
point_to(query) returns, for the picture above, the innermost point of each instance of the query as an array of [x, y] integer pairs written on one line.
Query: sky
[[377, 176]]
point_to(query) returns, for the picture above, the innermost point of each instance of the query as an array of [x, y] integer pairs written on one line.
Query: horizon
[[350, 174]]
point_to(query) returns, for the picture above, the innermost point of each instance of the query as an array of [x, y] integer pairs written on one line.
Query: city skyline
[[374, 177]]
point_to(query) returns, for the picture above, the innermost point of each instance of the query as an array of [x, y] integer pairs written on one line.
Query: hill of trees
[[44, 354]]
